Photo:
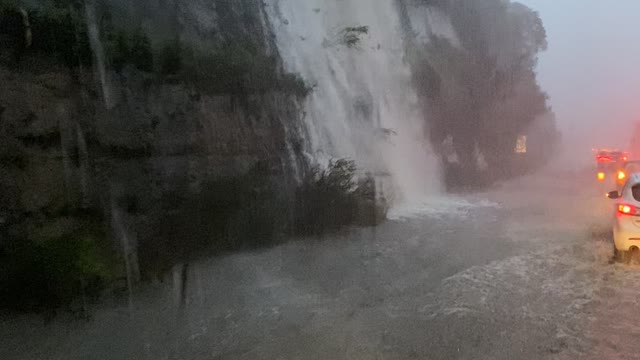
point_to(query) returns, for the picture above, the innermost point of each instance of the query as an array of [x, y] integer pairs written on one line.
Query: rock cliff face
[[69, 159], [55, 131]]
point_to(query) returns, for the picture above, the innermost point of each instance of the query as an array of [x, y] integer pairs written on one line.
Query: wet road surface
[[519, 272]]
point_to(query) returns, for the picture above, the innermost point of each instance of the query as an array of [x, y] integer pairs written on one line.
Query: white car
[[626, 225]]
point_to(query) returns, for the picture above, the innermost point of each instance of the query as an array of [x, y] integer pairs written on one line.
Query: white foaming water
[[438, 207], [363, 105]]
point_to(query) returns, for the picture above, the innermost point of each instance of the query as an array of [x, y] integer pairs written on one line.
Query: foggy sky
[[592, 69]]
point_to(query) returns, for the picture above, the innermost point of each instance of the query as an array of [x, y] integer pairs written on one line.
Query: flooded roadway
[[520, 272]]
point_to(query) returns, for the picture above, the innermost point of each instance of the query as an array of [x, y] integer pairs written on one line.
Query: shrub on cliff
[[351, 36], [329, 199], [45, 273], [294, 84], [234, 68]]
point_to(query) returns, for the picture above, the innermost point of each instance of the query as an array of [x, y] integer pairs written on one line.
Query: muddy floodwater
[[521, 271]]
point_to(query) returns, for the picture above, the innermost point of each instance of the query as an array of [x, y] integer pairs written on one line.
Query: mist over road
[[521, 271]]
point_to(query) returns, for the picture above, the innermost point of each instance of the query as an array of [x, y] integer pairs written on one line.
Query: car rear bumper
[[626, 235]]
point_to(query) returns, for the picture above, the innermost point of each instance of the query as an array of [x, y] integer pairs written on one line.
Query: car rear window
[[635, 191]]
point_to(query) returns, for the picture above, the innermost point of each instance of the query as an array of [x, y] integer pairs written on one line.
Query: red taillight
[[621, 175], [625, 158], [601, 176], [627, 209]]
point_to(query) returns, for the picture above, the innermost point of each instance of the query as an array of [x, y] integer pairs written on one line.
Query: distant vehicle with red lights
[[611, 164], [611, 156]]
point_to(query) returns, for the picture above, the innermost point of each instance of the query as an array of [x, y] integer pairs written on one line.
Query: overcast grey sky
[[592, 68]]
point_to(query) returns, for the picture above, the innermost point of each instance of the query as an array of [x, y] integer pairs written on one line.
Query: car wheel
[[622, 256]]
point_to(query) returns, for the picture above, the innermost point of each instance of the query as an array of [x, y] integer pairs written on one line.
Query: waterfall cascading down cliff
[[363, 105], [98, 51]]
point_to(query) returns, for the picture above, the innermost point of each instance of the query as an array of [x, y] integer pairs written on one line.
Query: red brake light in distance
[[627, 209]]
